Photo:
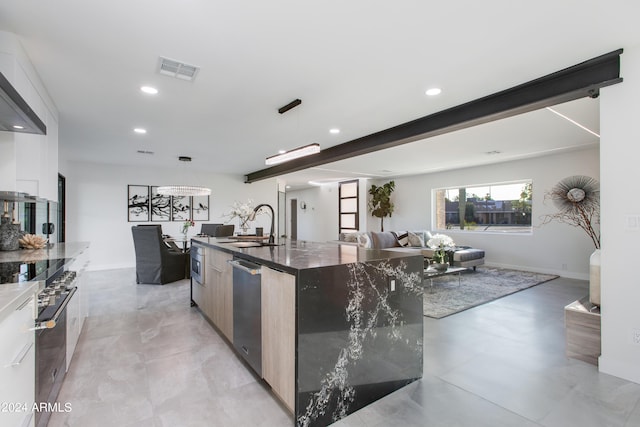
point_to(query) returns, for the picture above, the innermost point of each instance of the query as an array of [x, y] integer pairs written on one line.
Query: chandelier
[[183, 190]]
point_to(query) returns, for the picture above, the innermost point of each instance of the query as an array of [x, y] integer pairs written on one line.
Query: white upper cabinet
[[30, 161]]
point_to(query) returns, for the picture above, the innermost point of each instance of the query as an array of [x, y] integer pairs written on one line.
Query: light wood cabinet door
[[219, 281], [278, 333]]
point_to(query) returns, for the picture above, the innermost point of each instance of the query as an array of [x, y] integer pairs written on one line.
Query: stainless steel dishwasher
[[247, 323]]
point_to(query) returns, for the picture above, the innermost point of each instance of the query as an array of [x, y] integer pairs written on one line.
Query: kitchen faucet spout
[[252, 217]]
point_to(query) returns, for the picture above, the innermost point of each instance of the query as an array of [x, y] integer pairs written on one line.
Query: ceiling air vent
[[177, 69]]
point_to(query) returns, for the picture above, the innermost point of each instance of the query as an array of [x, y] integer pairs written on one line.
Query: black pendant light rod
[[579, 81], [289, 106]]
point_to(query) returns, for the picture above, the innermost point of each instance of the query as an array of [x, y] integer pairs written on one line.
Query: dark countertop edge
[[246, 254], [240, 253], [65, 252], [58, 251]]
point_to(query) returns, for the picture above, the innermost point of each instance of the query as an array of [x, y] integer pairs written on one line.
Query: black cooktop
[[25, 271]]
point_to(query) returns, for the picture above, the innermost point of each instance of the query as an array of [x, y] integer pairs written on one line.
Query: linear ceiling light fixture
[[307, 150], [570, 120], [183, 190]]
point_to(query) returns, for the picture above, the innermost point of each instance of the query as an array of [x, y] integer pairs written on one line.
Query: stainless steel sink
[[245, 244]]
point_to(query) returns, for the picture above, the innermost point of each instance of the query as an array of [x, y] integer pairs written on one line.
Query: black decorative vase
[[9, 235]]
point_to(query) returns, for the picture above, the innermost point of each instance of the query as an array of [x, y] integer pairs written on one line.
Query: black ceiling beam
[[579, 81]]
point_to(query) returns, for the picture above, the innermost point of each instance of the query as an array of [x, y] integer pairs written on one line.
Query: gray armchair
[[224, 230], [155, 262], [209, 229]]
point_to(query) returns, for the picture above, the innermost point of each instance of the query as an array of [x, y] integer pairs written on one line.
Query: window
[[504, 208], [348, 207]]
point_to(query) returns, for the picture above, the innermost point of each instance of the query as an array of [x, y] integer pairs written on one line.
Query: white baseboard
[[626, 371]]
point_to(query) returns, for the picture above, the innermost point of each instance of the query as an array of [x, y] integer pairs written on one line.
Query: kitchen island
[[339, 326]]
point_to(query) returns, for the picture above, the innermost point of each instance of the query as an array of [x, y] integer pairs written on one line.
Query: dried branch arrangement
[[578, 201]]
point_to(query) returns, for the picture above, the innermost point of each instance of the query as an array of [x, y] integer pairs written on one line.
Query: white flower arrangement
[[439, 241], [241, 210]]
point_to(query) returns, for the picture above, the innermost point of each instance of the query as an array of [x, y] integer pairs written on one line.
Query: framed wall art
[[138, 203], [180, 208], [200, 208], [160, 206]]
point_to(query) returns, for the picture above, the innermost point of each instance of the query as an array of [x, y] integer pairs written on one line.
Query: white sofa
[[411, 242]]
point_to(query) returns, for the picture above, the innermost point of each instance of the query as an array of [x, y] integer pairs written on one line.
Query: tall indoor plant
[[380, 204]]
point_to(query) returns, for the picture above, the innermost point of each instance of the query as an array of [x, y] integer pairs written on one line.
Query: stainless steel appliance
[[51, 338], [247, 323], [197, 263], [197, 267], [50, 325]]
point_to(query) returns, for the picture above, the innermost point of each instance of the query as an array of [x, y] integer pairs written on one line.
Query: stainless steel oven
[[51, 324], [197, 263], [51, 338]]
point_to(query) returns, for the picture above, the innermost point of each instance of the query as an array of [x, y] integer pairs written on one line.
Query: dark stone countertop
[[295, 255]]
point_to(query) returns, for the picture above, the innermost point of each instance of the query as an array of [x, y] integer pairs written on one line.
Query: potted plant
[[380, 204], [441, 243]]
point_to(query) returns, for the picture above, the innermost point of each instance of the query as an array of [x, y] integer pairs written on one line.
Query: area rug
[[485, 284]]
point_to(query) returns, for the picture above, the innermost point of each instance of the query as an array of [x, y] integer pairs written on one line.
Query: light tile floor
[[146, 358]]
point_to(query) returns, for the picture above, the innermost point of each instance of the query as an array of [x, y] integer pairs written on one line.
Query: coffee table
[[431, 273]]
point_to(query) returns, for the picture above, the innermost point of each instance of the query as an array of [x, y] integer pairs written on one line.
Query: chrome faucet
[[252, 217]]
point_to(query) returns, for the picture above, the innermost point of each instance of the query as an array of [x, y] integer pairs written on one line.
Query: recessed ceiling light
[[282, 151], [433, 91], [148, 89], [140, 130], [18, 127], [334, 130]]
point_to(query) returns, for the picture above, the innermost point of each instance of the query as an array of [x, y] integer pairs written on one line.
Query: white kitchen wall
[[619, 112], [97, 205], [319, 221], [555, 248]]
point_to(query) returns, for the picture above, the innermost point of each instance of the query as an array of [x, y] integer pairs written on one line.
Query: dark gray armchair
[[155, 262], [224, 230], [209, 229]]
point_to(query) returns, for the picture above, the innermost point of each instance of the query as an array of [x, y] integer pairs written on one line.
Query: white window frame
[[492, 211]]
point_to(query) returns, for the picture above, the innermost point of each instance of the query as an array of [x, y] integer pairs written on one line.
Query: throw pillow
[[383, 240], [403, 239], [415, 240], [363, 240], [350, 237]]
